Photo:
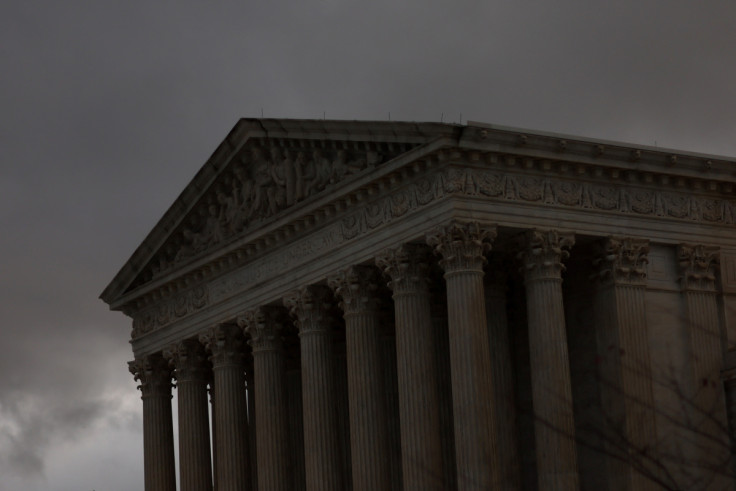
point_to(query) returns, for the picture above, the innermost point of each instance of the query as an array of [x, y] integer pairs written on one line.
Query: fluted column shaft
[[154, 374], [698, 265], [226, 344], [625, 363], [192, 375], [367, 398], [311, 309], [421, 450], [272, 432], [554, 426], [462, 247]]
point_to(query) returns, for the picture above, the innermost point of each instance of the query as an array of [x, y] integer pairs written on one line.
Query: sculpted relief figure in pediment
[[264, 181]]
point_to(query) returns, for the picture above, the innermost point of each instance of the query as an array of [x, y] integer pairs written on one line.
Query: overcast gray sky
[[107, 110]]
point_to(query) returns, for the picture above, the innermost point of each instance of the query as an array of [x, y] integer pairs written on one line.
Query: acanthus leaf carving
[[462, 245], [543, 252], [263, 326], [225, 344], [623, 261], [357, 288], [154, 374], [312, 309], [698, 265]]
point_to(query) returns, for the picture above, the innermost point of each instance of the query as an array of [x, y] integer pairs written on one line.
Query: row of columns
[[480, 372]]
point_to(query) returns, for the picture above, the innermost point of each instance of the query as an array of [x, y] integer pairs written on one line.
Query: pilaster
[[193, 373], [624, 368], [554, 427], [421, 451], [311, 308], [154, 374], [698, 265], [262, 325], [462, 247], [357, 288], [226, 346]]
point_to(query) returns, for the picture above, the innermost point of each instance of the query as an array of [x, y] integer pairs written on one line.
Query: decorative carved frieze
[[462, 245], [559, 192], [623, 261], [356, 287], [543, 253], [617, 197], [189, 360], [263, 326], [225, 344], [311, 307], [154, 374], [268, 177], [698, 264], [170, 309], [407, 267]]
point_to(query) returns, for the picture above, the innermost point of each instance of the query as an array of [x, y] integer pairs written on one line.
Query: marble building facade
[[417, 306]]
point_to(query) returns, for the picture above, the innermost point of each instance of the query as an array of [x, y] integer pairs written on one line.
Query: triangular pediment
[[263, 170]]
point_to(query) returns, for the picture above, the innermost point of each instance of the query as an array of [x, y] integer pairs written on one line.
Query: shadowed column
[[192, 375], [502, 373], [154, 374], [272, 431], [698, 264], [421, 448], [462, 247], [356, 287], [554, 426], [225, 343], [624, 361], [311, 308]]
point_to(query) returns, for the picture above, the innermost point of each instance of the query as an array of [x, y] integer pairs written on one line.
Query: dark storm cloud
[[107, 110]]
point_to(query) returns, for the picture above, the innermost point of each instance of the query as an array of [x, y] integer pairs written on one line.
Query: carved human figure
[[304, 170], [264, 196], [284, 174], [322, 172], [212, 231], [242, 194], [228, 212]]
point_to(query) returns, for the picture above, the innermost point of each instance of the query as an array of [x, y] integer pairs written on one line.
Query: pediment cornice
[[262, 170], [370, 161]]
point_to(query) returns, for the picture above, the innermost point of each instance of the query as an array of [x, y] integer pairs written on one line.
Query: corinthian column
[[311, 307], [272, 431], [554, 426], [421, 450], [357, 287], [462, 247], [154, 374], [192, 375], [225, 343], [625, 366], [698, 265]]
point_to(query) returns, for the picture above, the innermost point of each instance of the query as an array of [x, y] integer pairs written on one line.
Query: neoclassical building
[[421, 306]]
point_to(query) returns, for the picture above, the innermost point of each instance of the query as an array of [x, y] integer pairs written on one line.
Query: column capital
[[262, 325], [407, 267], [462, 245], [154, 374], [622, 261], [543, 252], [189, 360], [698, 265], [311, 308], [225, 343], [357, 287]]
